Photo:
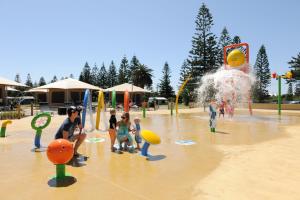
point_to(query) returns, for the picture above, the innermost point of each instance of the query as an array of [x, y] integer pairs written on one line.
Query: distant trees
[[103, 80], [112, 75], [236, 40], [54, 79], [18, 78], [85, 75], [290, 92], [262, 72], [123, 75], [42, 81], [224, 40], [94, 75], [295, 68], [29, 81], [165, 88]]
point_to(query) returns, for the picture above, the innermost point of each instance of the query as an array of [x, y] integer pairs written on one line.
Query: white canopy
[[4, 81], [12, 89], [33, 90], [67, 84], [129, 87]]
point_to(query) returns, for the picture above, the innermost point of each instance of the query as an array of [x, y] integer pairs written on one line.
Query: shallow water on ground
[[171, 174]]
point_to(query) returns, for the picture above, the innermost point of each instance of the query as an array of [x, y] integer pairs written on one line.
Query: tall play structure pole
[[288, 75], [87, 105], [114, 99], [3, 127], [236, 60], [126, 101], [144, 105], [100, 108], [178, 94], [38, 123]]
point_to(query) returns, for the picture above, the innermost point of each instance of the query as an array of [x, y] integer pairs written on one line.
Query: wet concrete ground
[[172, 173]]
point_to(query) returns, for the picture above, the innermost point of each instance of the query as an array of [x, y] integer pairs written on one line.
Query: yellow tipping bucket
[[235, 58]]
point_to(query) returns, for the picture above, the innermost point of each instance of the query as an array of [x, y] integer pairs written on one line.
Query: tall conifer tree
[[29, 81], [262, 72], [123, 76], [112, 75], [103, 80], [165, 88], [204, 53]]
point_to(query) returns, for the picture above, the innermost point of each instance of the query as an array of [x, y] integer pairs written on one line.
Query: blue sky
[[47, 38]]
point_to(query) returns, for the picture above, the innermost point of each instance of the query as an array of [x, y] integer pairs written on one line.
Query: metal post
[[279, 95]]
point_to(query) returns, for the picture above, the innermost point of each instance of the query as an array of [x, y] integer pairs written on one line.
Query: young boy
[[136, 132], [112, 129]]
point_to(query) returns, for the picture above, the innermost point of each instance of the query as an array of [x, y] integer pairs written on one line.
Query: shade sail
[[67, 84], [128, 87], [4, 81]]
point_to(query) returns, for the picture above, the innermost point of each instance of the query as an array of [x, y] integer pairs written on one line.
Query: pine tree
[[236, 40], [29, 81], [54, 79], [18, 78], [94, 75], [289, 95], [295, 68], [204, 54], [71, 76], [35, 84], [297, 89], [165, 88], [85, 75], [224, 40], [134, 63], [42, 81], [103, 80], [123, 76], [262, 72], [112, 75]]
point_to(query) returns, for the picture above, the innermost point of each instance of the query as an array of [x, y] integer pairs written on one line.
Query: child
[[222, 109], [123, 135], [137, 130], [112, 129], [212, 115]]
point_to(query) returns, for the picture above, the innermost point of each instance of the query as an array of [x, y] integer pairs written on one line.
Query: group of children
[[120, 130]]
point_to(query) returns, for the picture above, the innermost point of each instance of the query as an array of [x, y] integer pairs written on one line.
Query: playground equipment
[[150, 138], [3, 127], [60, 152], [237, 59], [38, 123], [114, 99], [288, 75], [179, 92], [126, 101], [100, 113], [87, 106]]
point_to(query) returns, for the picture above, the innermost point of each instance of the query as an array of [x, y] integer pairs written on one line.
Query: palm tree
[[142, 76]]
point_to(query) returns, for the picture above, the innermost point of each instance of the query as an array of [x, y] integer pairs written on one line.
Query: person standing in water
[[212, 115]]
